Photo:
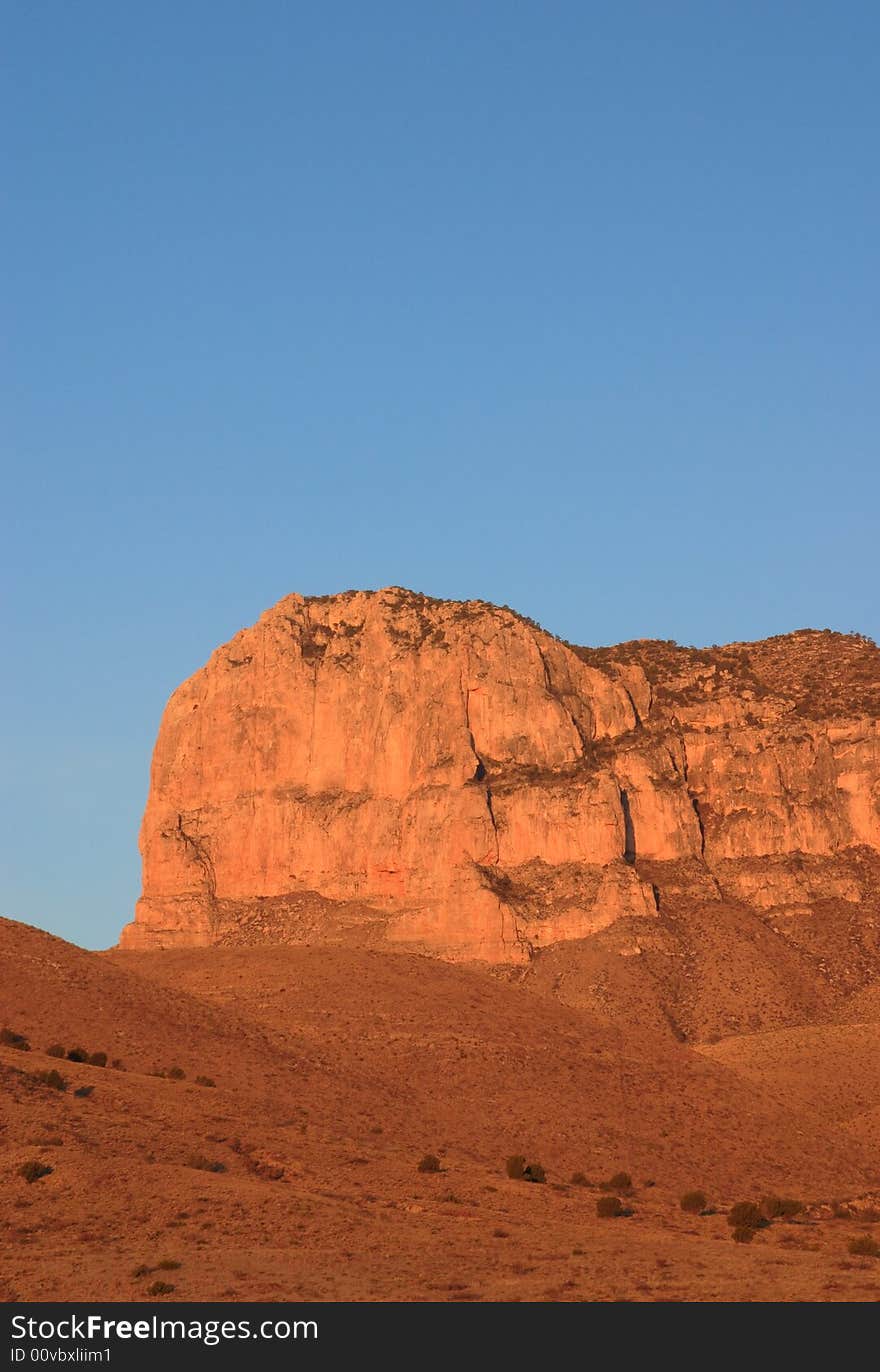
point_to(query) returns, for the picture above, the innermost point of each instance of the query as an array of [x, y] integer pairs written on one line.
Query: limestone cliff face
[[449, 776]]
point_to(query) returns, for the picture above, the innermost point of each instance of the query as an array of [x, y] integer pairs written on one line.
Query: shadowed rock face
[[385, 766]]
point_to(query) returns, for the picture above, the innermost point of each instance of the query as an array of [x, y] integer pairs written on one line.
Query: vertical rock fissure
[[685, 776], [480, 773], [629, 833], [629, 696], [696, 804], [554, 695]]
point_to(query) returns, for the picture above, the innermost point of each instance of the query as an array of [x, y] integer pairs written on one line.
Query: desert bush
[[515, 1166], [160, 1288], [167, 1265], [743, 1233], [78, 1055], [578, 1179], [33, 1170], [694, 1202], [10, 1039], [97, 1059], [746, 1215], [176, 1074], [609, 1208], [429, 1163], [203, 1164], [51, 1078], [141, 1271], [205, 1081], [83, 1091], [55, 1050], [533, 1171], [118, 1065], [864, 1247], [621, 1181], [778, 1208]]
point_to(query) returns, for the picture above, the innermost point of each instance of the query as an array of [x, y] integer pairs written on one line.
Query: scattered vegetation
[[33, 1170], [694, 1202], [743, 1233], [205, 1081], [160, 1288], [51, 1078], [621, 1181], [142, 1271], [610, 1208], [83, 1091], [78, 1055], [864, 1247], [578, 1179], [167, 1265], [55, 1050], [97, 1059], [10, 1039], [203, 1164], [176, 1074], [519, 1170], [746, 1215], [261, 1167], [430, 1163], [777, 1208]]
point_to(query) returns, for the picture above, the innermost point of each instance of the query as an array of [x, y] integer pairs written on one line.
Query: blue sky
[[566, 305]]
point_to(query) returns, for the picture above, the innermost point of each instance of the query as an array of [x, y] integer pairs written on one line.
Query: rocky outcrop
[[449, 776]]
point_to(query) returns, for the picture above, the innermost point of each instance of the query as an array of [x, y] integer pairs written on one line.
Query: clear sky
[[566, 305]]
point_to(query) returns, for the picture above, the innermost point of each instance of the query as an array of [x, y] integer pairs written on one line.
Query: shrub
[[142, 1271], [176, 1074], [83, 1091], [609, 1208], [694, 1202], [578, 1179], [32, 1171], [203, 1164], [534, 1172], [743, 1233], [52, 1078], [55, 1050], [746, 1215], [205, 1081], [429, 1163], [864, 1247], [98, 1060], [167, 1265], [78, 1055], [515, 1166], [13, 1040], [776, 1208], [621, 1181], [118, 1065], [160, 1288]]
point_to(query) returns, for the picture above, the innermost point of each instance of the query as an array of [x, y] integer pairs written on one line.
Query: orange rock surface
[[449, 776]]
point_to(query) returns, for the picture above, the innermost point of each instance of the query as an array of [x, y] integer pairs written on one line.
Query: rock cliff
[[449, 776]]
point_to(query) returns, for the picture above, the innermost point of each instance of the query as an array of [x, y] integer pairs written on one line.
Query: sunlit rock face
[[450, 777]]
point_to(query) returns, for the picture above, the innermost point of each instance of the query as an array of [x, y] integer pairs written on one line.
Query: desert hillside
[[314, 1079]]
